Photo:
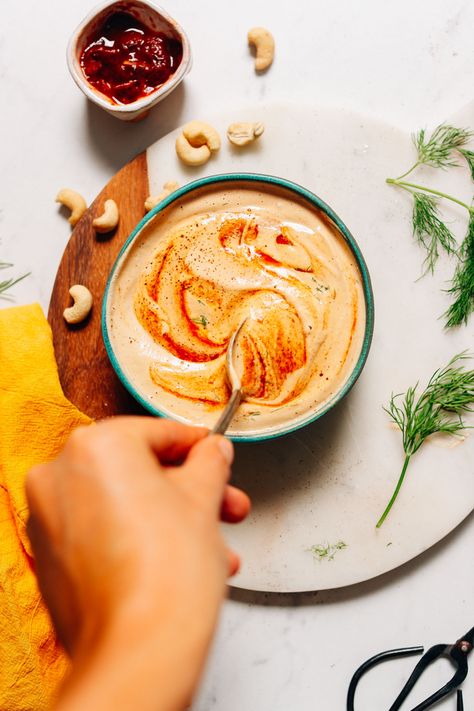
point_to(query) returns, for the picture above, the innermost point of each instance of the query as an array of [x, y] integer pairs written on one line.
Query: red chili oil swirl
[[127, 61], [270, 347]]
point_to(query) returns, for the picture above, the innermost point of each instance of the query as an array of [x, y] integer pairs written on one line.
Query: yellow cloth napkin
[[35, 421]]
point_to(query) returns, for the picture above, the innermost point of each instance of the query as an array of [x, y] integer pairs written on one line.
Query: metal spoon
[[236, 396]]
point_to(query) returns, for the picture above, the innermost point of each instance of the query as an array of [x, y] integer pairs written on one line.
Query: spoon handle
[[227, 414]]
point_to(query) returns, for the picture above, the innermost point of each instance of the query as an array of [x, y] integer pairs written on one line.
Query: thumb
[[207, 468]]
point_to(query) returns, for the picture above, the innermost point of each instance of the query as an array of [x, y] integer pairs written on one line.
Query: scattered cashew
[[109, 218], [82, 304], [197, 141], [190, 155], [74, 201], [199, 133], [264, 45], [168, 188], [240, 134]]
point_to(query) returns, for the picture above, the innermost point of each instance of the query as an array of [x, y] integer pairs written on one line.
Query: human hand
[[130, 558]]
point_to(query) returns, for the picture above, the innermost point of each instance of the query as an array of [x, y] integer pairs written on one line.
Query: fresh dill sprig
[[438, 149], [462, 287], [440, 407], [428, 227], [327, 551], [429, 230], [9, 283], [469, 156]]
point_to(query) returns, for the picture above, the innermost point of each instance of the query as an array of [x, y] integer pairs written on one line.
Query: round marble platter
[[329, 482]]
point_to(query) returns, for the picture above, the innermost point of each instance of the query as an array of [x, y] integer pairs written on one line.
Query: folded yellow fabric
[[35, 421]]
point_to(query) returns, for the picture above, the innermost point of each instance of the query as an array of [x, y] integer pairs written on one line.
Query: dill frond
[[462, 287], [428, 227], [429, 230], [438, 149], [469, 156], [327, 551], [448, 395], [8, 283], [201, 321]]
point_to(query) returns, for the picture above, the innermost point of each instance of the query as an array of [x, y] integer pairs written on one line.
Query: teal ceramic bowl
[[150, 399]]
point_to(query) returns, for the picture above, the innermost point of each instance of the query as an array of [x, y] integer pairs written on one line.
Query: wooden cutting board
[[87, 377]]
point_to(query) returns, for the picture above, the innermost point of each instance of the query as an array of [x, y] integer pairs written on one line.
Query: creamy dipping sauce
[[227, 253]]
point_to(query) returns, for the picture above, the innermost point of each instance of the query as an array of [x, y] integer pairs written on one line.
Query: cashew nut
[[168, 188], [199, 133], [74, 201], [109, 218], [197, 141], [242, 133], [82, 305], [264, 45]]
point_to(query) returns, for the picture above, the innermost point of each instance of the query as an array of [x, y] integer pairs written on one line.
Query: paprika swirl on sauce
[[206, 265]]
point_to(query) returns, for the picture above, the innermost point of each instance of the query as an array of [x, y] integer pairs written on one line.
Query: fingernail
[[227, 449]]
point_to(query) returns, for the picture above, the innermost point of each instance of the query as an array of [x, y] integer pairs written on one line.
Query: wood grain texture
[[85, 372]]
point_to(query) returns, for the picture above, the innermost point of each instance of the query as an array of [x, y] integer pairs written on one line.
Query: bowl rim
[[147, 101], [316, 201]]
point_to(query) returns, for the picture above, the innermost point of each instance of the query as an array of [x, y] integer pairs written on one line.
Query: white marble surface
[[409, 63], [317, 485]]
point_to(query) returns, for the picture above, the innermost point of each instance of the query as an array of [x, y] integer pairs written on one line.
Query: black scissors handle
[[457, 653], [372, 662], [439, 650]]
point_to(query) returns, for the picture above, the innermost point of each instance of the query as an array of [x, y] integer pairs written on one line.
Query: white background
[[410, 63]]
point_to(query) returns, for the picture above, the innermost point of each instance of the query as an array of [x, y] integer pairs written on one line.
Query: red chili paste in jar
[[127, 60]]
